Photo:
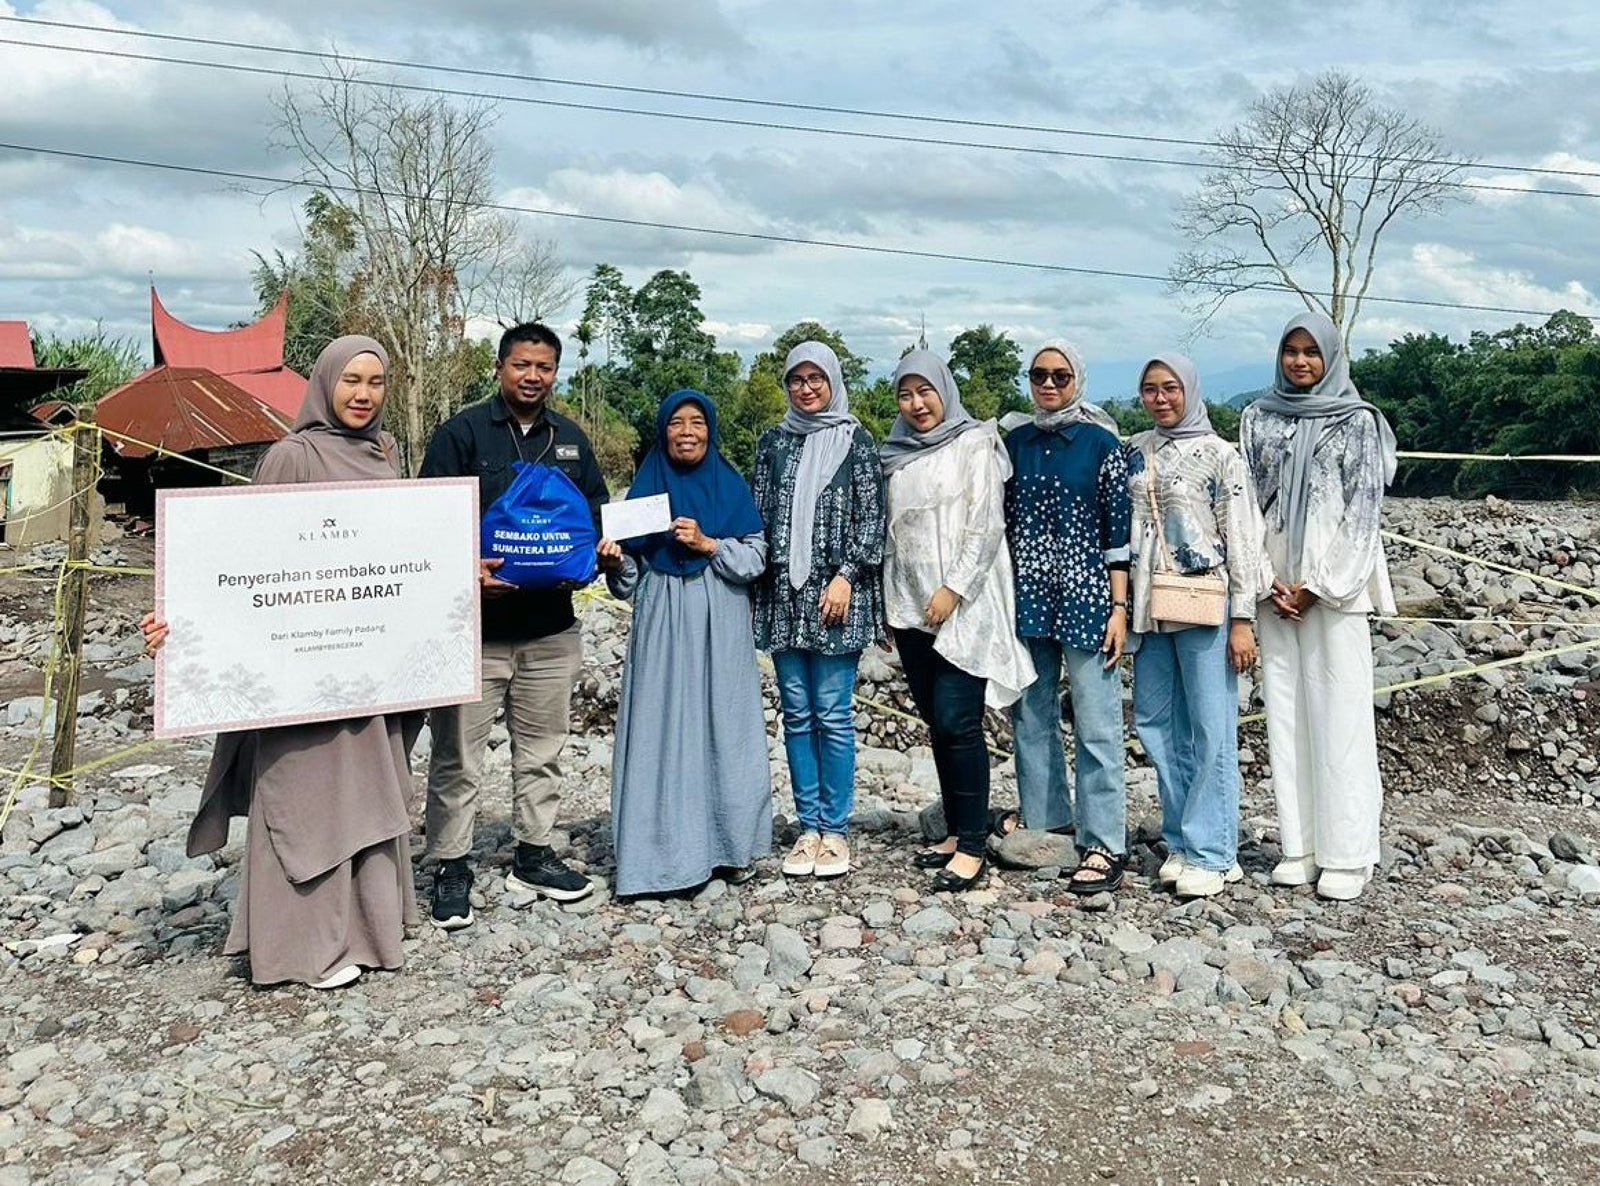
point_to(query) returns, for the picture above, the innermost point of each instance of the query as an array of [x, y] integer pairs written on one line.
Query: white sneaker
[[1342, 885], [1170, 869], [1195, 882], [348, 974], [802, 858], [1295, 870], [833, 858]]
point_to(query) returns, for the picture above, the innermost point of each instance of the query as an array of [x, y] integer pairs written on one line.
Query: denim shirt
[[1067, 520]]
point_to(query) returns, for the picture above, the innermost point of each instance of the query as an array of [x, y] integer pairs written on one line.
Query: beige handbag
[[1178, 599]]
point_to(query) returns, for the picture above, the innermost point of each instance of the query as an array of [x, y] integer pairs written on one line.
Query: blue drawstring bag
[[542, 529]]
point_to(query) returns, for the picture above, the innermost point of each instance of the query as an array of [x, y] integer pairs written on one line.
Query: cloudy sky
[[1505, 83]]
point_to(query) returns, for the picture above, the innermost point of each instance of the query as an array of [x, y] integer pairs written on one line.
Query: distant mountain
[[1244, 397]]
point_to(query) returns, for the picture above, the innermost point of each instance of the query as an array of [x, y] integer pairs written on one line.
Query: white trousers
[[1322, 737]]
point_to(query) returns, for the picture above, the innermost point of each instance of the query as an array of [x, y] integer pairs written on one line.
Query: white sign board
[[315, 602]]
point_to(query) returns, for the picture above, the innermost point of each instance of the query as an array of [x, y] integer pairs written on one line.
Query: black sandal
[[1104, 876], [998, 818]]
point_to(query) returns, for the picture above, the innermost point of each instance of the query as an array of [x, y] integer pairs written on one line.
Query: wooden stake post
[[74, 604]]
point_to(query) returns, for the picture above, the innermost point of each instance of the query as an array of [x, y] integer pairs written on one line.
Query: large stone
[[794, 1088], [663, 1115], [714, 1084], [930, 923], [869, 1119], [788, 957], [1032, 848]]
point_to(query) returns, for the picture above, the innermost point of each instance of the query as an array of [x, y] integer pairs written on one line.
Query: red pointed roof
[[183, 409], [16, 347], [251, 355]]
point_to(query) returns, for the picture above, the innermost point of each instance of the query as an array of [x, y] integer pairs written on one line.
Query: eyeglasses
[[798, 382], [1043, 377], [1169, 390]]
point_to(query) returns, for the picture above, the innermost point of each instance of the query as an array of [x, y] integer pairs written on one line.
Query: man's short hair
[[535, 332]]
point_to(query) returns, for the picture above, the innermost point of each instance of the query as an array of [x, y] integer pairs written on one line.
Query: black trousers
[[950, 701]]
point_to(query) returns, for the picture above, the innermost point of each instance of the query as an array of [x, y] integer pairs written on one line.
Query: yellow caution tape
[[1592, 594], [229, 474]]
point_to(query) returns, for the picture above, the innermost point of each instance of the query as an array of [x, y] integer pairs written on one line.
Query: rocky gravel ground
[[1444, 1029]]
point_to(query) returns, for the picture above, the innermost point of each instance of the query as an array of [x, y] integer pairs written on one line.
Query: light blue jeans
[[819, 735], [1186, 712], [1101, 805]]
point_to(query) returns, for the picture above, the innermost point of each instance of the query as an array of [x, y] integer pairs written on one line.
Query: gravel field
[[1444, 1029]]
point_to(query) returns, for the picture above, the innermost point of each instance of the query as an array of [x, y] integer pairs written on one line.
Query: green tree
[[110, 361], [319, 279], [852, 366], [876, 407], [988, 368]]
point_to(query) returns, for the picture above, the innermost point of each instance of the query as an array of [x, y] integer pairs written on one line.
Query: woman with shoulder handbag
[[1196, 573]]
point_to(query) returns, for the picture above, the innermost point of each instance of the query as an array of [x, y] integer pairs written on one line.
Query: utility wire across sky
[[741, 100], [281, 183], [721, 120]]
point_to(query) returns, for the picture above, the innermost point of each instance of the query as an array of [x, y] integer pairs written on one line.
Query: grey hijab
[[319, 448], [1333, 400], [827, 435], [1196, 421], [905, 444], [1080, 410]]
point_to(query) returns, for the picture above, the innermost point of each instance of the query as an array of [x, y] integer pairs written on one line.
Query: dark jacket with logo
[[482, 440]]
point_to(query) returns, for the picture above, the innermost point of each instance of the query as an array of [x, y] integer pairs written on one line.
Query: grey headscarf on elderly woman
[[1078, 408], [827, 434], [1196, 421], [320, 448]]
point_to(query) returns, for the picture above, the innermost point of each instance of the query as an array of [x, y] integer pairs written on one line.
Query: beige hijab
[[320, 448]]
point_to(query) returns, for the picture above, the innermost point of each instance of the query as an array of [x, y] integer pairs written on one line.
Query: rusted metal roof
[[251, 355], [184, 409]]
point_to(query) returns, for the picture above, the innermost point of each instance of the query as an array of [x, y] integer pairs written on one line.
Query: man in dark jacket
[[531, 646]]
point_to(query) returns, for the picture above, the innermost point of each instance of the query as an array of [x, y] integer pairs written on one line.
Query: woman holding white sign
[[691, 792], [326, 886]]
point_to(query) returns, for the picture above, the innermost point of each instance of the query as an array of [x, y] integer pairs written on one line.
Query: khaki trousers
[[533, 680]]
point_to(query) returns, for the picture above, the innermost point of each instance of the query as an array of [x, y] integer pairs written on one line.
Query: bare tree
[[1308, 184], [417, 177], [529, 283]]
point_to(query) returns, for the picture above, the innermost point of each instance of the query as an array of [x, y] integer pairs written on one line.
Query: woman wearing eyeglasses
[[819, 488], [1067, 520], [1193, 518]]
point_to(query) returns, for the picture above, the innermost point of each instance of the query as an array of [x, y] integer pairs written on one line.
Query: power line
[[758, 236], [743, 100], [724, 121]]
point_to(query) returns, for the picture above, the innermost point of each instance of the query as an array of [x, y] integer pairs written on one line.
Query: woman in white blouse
[[948, 595], [1192, 515], [1318, 458]]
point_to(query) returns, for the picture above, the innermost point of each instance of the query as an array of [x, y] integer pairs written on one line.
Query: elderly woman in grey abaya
[[326, 887], [691, 792]]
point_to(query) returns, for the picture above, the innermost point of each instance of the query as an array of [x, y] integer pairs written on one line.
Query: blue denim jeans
[[819, 735], [1101, 805], [1186, 712]]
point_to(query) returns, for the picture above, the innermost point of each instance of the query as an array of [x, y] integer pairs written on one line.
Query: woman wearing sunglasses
[[1067, 521]]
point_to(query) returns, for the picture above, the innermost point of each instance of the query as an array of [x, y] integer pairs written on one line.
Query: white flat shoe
[[1195, 882], [1170, 869], [348, 974], [1295, 871], [1342, 885]]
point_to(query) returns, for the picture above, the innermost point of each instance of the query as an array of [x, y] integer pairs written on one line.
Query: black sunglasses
[[1038, 376]]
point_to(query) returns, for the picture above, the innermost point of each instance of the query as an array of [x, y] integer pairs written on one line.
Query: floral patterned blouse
[[1207, 514], [1342, 561], [1067, 520], [847, 542]]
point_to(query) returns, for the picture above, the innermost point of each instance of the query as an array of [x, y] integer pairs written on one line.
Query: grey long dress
[[691, 790]]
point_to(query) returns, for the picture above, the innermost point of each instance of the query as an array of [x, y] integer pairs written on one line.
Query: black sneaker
[[536, 869], [452, 895]]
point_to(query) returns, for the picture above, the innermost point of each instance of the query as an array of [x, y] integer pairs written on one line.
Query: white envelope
[[635, 516]]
